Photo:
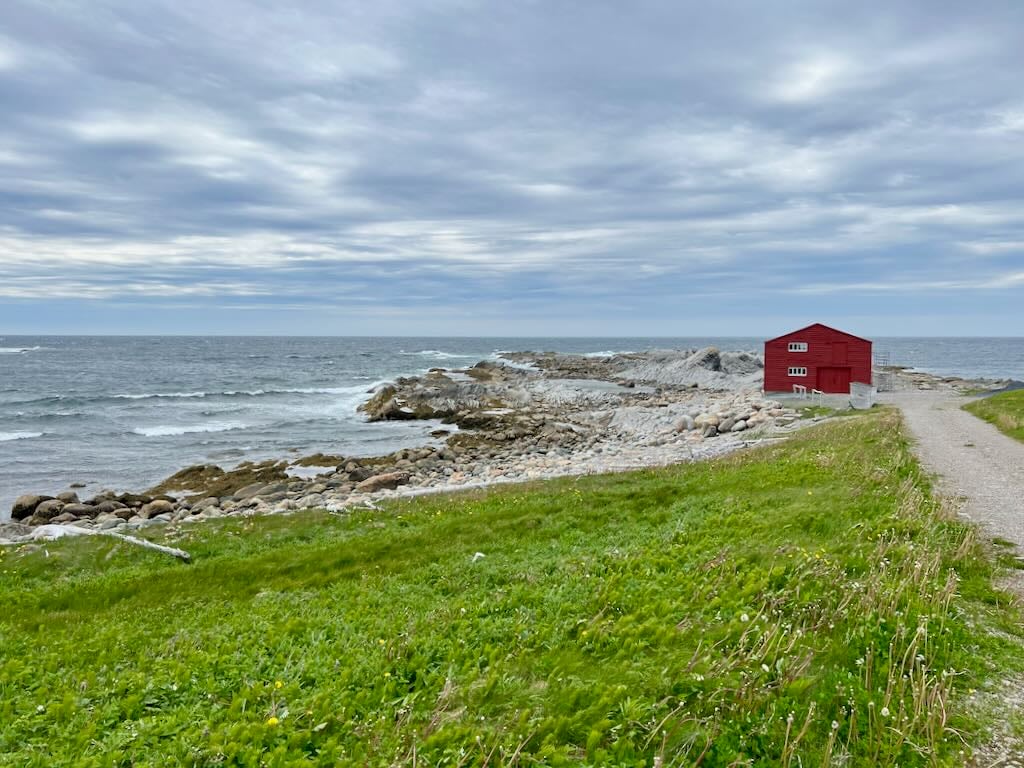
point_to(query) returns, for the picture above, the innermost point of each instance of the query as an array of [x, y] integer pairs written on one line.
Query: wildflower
[[766, 668], [40, 709], [278, 685], [744, 618], [272, 720], [885, 712], [860, 662], [835, 725]]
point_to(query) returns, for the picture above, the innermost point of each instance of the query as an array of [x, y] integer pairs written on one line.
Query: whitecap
[[7, 436], [606, 353], [437, 354], [169, 430], [149, 395], [246, 393], [17, 350]]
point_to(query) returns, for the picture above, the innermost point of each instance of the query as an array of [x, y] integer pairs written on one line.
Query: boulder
[[726, 425], [248, 491], [739, 426], [207, 503], [134, 499], [685, 424], [69, 497], [108, 505], [25, 505], [358, 474], [47, 510], [273, 488], [123, 513], [64, 517], [11, 531], [154, 508], [710, 431], [376, 407], [80, 510], [386, 481]]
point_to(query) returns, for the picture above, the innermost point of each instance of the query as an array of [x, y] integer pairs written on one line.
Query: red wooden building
[[816, 357]]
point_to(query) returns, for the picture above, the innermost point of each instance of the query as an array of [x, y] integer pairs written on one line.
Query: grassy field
[[1005, 410], [804, 604]]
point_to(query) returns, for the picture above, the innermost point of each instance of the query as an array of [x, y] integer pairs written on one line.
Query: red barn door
[[834, 380]]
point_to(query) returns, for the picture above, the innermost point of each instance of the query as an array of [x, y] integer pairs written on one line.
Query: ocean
[[125, 412]]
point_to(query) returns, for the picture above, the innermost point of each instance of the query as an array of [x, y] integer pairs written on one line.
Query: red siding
[[829, 353]]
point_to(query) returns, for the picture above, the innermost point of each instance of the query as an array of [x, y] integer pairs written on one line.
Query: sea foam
[[7, 436], [169, 430]]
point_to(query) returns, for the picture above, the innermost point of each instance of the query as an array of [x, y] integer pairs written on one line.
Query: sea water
[[125, 412]]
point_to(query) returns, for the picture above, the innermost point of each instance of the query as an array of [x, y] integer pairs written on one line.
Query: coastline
[[529, 416]]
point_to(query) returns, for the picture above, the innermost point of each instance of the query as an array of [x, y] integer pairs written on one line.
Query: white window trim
[[797, 371], [798, 346]]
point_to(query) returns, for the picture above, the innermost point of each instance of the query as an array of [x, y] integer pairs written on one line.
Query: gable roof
[[820, 325]]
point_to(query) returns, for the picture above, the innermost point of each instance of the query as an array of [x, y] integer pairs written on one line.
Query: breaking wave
[[438, 354], [167, 430], [7, 436]]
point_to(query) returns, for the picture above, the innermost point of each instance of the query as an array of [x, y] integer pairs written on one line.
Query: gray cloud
[[477, 152]]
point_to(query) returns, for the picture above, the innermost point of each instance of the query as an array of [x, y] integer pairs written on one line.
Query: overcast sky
[[511, 168]]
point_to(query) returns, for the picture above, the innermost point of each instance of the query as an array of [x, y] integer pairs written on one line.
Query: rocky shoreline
[[530, 416]]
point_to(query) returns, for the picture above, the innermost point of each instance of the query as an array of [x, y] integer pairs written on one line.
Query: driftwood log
[[52, 532]]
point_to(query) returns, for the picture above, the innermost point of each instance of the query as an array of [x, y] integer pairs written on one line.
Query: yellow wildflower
[[272, 721]]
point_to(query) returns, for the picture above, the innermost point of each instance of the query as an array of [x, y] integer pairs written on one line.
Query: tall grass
[[807, 604], [1005, 411]]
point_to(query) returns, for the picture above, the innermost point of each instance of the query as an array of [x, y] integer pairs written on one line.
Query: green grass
[[802, 604], [1005, 410]]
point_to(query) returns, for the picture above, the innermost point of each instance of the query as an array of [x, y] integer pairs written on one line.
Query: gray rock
[[726, 425], [358, 474], [64, 517], [386, 481], [739, 426], [248, 491], [69, 497], [47, 510], [80, 510], [25, 505], [124, 513], [108, 506], [106, 525], [685, 424], [273, 488], [134, 499], [13, 530], [710, 431], [209, 501], [154, 508]]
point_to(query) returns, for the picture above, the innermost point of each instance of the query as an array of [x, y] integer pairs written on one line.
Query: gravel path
[[974, 460]]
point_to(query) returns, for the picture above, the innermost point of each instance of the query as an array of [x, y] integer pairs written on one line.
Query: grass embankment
[[801, 604], [1005, 410]]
